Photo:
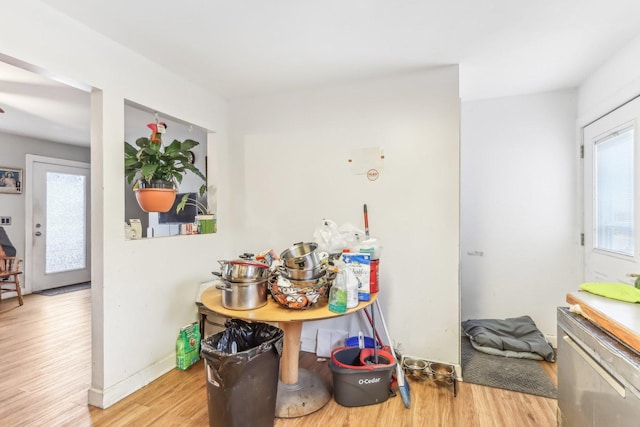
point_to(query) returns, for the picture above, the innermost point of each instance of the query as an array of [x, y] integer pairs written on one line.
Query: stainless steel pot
[[243, 271], [304, 274], [301, 283], [302, 256], [243, 296]]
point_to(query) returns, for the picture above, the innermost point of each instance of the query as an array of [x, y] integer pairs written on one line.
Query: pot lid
[[245, 262]]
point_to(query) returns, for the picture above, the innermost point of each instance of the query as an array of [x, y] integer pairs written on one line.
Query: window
[[613, 196]]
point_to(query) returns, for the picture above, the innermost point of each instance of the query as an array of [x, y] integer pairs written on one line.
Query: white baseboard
[[458, 371], [553, 340], [107, 397]]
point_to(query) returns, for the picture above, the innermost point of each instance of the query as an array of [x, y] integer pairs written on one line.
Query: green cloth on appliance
[[618, 291]]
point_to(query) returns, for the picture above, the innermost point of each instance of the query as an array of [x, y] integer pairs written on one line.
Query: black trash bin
[[242, 365]]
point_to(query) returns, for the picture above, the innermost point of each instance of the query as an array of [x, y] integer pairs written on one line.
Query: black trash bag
[[229, 353], [241, 335]]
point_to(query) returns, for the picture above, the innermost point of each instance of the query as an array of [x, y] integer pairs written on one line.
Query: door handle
[[38, 233]]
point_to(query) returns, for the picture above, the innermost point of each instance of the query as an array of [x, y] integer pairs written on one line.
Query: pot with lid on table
[[242, 270]]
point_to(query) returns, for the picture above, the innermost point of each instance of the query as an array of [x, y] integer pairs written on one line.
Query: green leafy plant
[[152, 161], [201, 204]]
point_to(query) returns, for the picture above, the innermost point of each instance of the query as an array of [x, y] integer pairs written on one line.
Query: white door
[[60, 209], [612, 196]]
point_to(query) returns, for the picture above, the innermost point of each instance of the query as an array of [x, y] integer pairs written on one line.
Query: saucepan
[[303, 256], [303, 274]]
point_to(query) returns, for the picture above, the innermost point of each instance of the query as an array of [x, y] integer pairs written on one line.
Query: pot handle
[[222, 262], [224, 288], [216, 273]]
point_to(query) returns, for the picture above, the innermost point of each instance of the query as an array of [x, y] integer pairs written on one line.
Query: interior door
[[60, 224], [611, 196]]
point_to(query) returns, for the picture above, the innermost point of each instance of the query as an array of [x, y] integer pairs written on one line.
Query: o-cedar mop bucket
[[357, 379]]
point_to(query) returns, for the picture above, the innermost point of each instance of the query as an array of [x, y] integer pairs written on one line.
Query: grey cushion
[[518, 334], [6, 244]]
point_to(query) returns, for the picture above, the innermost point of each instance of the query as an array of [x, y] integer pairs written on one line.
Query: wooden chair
[[9, 274]]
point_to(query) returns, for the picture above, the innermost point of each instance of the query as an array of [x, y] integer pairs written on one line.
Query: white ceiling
[[39, 107], [247, 47]]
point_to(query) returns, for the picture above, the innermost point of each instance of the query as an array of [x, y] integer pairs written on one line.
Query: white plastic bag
[[333, 239], [328, 237]]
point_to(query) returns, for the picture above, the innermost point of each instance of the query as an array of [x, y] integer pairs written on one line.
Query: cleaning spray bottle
[[338, 293]]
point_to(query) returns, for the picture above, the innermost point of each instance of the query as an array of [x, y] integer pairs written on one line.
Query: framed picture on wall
[[10, 180]]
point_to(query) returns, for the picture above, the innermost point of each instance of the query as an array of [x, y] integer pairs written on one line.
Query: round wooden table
[[300, 391]]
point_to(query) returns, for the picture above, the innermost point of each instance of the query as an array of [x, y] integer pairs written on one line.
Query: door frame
[[30, 159], [621, 117]]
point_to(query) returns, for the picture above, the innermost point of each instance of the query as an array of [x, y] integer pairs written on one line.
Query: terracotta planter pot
[[155, 199]]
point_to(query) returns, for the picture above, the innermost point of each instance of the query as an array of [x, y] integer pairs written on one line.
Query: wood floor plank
[[46, 371]]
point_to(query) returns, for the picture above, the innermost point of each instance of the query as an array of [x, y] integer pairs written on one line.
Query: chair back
[[9, 265]]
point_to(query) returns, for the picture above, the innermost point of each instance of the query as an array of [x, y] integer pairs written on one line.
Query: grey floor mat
[[521, 375]]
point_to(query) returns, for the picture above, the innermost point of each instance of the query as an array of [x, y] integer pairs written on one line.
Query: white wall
[[296, 148], [615, 82], [519, 207], [143, 291], [14, 148]]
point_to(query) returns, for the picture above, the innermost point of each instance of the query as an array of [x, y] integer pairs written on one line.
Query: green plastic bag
[[188, 346]]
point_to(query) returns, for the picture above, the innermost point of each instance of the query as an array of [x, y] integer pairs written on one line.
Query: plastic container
[[242, 386], [352, 288], [359, 265], [338, 294], [353, 342], [374, 275], [356, 380]]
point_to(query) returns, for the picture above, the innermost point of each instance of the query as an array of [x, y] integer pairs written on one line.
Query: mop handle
[[371, 323], [366, 221], [400, 374]]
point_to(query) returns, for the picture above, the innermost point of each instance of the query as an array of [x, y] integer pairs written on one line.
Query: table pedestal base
[[308, 395]]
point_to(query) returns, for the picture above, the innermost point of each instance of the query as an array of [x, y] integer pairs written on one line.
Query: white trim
[[30, 159], [110, 395]]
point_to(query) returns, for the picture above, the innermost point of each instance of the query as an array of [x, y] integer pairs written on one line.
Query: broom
[[403, 385]]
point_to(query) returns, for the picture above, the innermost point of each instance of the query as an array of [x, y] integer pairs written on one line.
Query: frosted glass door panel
[[614, 193], [66, 223]]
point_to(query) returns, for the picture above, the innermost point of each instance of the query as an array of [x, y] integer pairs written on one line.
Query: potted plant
[[155, 170], [205, 217]]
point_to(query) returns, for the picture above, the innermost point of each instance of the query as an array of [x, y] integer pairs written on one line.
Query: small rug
[[64, 289], [521, 375]]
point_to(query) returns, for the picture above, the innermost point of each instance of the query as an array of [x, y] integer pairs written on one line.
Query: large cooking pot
[[243, 295], [243, 271], [302, 256]]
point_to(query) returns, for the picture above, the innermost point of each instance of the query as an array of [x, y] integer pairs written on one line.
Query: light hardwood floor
[[45, 371]]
